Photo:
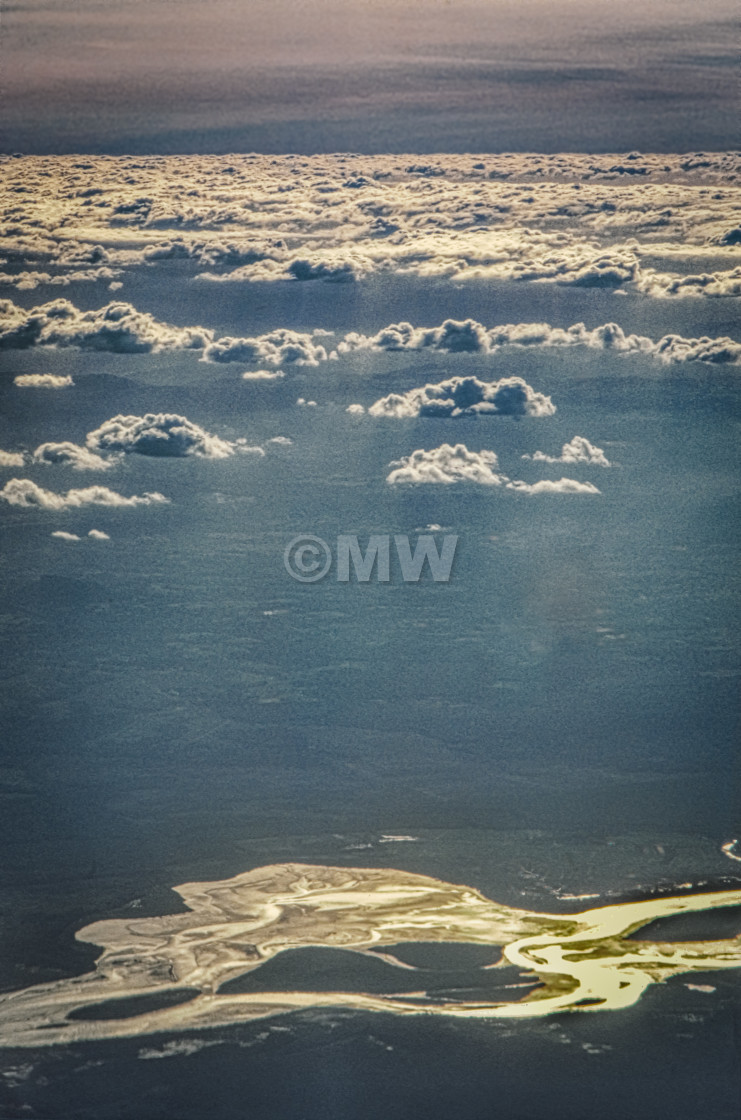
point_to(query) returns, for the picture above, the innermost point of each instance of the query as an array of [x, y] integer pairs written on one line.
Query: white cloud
[[98, 535], [11, 459], [158, 434], [117, 327], [450, 464], [447, 464], [303, 403], [277, 348], [466, 396], [282, 441], [547, 486], [470, 336], [579, 450], [263, 375], [355, 409], [120, 328], [25, 494], [245, 448], [42, 381], [71, 454], [62, 536]]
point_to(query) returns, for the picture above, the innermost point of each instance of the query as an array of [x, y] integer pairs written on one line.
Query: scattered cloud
[[42, 381], [355, 410], [98, 535], [120, 328], [547, 486], [466, 396], [447, 464], [277, 348], [11, 459], [117, 327], [579, 450], [158, 434], [472, 337], [263, 375], [25, 494], [71, 454], [62, 536], [303, 403]]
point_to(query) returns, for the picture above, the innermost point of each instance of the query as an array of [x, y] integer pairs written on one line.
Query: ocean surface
[[557, 721]]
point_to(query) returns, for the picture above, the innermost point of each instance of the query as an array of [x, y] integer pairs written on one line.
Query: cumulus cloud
[[62, 536], [158, 434], [25, 494], [547, 486], [42, 381], [355, 409], [578, 450], [11, 459], [561, 218], [470, 336], [466, 396], [117, 327], [710, 284], [72, 455], [277, 348], [98, 535], [120, 328], [447, 464], [303, 403]]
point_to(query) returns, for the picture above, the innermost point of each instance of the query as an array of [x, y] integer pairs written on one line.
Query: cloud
[[263, 375], [664, 285], [471, 337], [466, 396], [158, 434], [11, 459], [282, 441], [117, 327], [547, 486], [579, 450], [245, 448], [277, 348], [450, 464], [62, 536], [303, 403], [120, 328], [71, 454], [42, 381], [355, 409], [447, 464], [569, 219], [25, 494], [98, 535]]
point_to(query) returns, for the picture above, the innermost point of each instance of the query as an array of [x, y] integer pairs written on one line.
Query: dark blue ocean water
[[176, 707]]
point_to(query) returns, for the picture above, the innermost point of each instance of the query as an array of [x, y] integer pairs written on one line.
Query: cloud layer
[[635, 221]]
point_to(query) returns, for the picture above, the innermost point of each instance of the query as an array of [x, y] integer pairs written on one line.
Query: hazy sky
[[184, 75]]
